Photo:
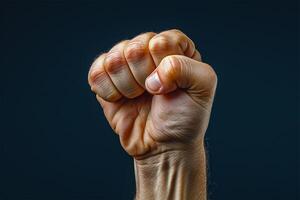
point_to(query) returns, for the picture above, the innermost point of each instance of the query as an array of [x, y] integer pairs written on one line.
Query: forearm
[[174, 175]]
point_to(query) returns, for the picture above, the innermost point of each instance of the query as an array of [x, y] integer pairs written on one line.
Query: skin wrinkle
[[116, 110], [98, 69], [144, 135], [125, 134], [135, 50], [102, 84], [139, 70], [136, 138], [114, 62], [135, 60], [193, 90], [94, 64], [113, 116], [171, 177], [116, 66]]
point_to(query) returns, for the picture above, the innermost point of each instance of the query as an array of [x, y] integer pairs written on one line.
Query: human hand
[[156, 94], [148, 119]]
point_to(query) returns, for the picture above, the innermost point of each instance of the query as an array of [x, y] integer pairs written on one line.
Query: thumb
[[197, 78]]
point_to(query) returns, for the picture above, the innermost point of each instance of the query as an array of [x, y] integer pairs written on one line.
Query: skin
[[157, 94]]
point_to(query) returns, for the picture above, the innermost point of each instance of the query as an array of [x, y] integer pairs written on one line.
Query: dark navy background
[[55, 142]]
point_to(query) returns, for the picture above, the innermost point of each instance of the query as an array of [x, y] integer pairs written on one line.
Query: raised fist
[[155, 92]]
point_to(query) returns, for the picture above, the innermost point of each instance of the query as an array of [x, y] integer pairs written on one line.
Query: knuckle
[[143, 36], [96, 65], [114, 62], [135, 51], [159, 43], [94, 76], [181, 42]]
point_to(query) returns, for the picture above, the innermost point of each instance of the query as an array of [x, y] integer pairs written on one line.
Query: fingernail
[[153, 82]]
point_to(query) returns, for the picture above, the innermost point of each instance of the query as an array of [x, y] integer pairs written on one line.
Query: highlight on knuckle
[[135, 51], [114, 62], [159, 44]]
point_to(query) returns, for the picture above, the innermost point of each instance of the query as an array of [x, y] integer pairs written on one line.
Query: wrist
[[173, 174]]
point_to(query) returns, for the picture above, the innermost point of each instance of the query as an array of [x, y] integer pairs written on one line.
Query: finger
[[117, 68], [100, 82], [197, 56], [138, 57], [171, 42], [176, 71]]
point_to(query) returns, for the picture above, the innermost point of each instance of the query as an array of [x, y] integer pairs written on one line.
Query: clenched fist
[[157, 94]]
